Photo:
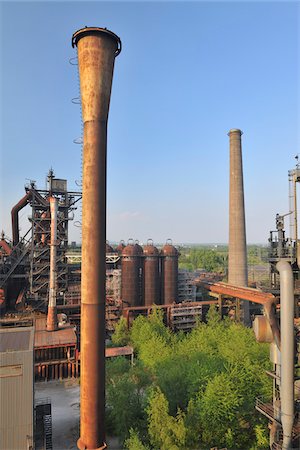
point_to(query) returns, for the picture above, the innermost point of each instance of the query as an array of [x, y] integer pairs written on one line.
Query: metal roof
[[16, 339], [61, 337]]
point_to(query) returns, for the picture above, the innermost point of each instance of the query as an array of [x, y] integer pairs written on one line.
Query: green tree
[[133, 442], [121, 333], [193, 390], [165, 431], [126, 401], [151, 338]]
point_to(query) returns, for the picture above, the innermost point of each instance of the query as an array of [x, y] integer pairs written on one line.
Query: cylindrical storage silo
[[151, 289], [109, 248], [130, 282], [139, 250], [120, 247], [169, 273]]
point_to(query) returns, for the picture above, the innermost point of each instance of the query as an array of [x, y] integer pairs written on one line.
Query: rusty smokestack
[[52, 313], [97, 49], [237, 249]]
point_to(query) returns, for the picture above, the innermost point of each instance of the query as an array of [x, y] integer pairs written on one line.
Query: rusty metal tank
[[131, 274], [109, 248], [169, 273], [151, 287], [138, 247], [120, 247]]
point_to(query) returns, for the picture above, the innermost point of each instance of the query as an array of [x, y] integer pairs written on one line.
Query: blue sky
[[188, 72]]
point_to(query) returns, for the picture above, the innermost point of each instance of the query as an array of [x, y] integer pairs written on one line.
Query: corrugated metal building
[[16, 388]]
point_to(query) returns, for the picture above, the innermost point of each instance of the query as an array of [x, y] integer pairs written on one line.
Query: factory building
[[16, 388]]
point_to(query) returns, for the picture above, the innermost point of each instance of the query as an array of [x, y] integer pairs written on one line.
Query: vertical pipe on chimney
[[97, 49], [237, 251], [52, 313], [287, 350]]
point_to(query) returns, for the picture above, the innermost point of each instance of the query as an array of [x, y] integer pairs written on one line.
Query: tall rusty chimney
[[97, 49], [237, 252], [52, 312]]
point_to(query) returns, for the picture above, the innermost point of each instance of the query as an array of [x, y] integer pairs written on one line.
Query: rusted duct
[[287, 350], [52, 312], [97, 49], [15, 211], [15, 216], [237, 249]]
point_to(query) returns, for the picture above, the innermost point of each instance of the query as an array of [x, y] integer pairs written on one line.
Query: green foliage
[[215, 258], [165, 431], [217, 410], [121, 334], [189, 391], [204, 258], [262, 438], [151, 338], [213, 317], [257, 254], [116, 367], [126, 400], [172, 378], [134, 442]]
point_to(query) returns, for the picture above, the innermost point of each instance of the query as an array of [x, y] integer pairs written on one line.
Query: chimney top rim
[[82, 32], [235, 130]]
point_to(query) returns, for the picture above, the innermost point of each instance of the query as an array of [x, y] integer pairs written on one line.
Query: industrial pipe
[[15, 216], [287, 350], [270, 313], [97, 49], [237, 249], [21, 204], [52, 312]]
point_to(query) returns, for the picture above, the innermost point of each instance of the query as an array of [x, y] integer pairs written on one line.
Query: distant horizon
[[191, 244]]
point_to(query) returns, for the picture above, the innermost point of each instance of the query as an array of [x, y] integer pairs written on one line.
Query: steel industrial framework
[[24, 272]]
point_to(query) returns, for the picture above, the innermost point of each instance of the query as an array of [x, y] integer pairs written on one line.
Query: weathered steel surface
[[244, 293], [60, 337], [120, 247], [118, 351], [131, 279], [97, 49], [151, 286], [109, 248], [52, 313], [15, 218], [7, 249], [2, 298], [169, 273]]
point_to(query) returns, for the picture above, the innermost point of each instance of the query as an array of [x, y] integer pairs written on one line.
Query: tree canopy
[[188, 391]]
